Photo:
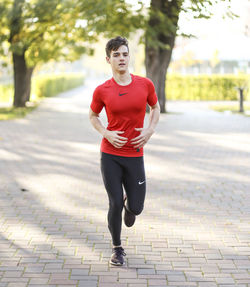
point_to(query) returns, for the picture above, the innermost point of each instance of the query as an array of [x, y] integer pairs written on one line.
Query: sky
[[223, 26], [230, 37]]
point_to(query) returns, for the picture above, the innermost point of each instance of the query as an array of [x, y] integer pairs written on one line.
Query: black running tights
[[120, 172]]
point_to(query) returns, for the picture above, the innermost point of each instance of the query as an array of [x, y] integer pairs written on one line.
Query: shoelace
[[119, 251]]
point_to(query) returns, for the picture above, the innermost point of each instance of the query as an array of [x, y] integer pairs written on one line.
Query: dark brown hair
[[114, 44]]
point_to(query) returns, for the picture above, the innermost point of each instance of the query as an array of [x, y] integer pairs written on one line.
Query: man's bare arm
[[112, 136]]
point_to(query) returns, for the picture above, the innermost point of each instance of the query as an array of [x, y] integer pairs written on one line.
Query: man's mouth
[[122, 64]]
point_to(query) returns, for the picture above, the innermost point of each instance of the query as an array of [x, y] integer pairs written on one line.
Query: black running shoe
[[117, 256], [129, 217]]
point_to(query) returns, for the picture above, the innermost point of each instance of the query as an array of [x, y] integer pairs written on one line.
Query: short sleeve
[[152, 97], [97, 103]]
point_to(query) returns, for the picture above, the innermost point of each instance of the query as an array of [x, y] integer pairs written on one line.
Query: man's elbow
[[156, 107], [92, 114]]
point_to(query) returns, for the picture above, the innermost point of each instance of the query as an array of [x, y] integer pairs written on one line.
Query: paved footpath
[[194, 230]]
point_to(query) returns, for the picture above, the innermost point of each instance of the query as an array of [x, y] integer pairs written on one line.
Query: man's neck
[[123, 79]]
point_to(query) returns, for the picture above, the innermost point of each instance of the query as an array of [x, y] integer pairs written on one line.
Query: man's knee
[[116, 206], [136, 210]]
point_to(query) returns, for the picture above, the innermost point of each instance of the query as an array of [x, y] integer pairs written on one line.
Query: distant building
[[211, 56]]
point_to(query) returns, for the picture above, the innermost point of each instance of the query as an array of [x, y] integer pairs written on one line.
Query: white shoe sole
[[116, 264]]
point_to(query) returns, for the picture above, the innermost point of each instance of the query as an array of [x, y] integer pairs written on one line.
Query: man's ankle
[[115, 246]]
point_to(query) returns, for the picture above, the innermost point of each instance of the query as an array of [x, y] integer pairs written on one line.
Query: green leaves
[[203, 8], [162, 25], [111, 17], [53, 29], [42, 30]]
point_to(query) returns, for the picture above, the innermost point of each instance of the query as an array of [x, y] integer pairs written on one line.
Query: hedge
[[206, 87], [49, 86], [45, 86], [6, 93], [178, 87]]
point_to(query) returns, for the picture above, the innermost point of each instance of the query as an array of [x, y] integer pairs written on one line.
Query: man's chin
[[122, 71]]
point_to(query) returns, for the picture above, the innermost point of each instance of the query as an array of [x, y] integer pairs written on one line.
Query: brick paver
[[194, 230]]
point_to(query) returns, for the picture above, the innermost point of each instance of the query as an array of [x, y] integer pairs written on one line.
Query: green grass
[[11, 113], [231, 108]]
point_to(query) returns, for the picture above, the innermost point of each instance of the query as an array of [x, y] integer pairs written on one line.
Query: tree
[[160, 34], [159, 42], [36, 31], [160, 25], [40, 30]]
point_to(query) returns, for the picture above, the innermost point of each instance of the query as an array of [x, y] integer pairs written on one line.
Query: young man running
[[124, 97]]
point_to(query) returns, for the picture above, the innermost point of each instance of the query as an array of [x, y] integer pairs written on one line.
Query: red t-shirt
[[125, 108]]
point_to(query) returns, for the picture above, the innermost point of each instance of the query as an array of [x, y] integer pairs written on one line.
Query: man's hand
[[114, 138], [143, 138]]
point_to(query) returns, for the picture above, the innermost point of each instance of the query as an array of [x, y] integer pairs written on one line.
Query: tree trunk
[[160, 39], [157, 62], [22, 80]]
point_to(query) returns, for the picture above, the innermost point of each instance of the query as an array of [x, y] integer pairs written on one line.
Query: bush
[[49, 86], [6, 93], [206, 87], [44, 86]]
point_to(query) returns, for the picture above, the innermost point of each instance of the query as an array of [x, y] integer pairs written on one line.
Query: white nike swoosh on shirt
[[141, 182]]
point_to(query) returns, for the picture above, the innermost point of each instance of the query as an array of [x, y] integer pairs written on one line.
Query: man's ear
[[108, 60]]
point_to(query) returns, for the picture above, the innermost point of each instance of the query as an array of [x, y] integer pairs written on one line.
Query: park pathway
[[194, 230]]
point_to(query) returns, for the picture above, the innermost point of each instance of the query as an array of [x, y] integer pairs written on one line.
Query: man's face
[[119, 59]]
